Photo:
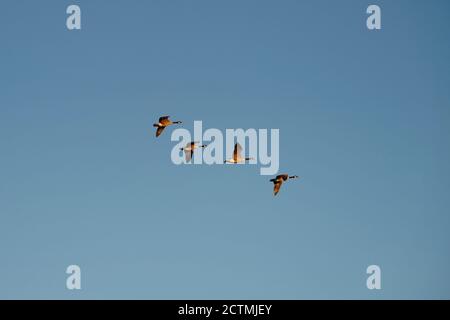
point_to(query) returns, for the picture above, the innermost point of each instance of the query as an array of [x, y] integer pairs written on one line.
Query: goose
[[278, 181], [237, 158], [189, 149], [163, 122]]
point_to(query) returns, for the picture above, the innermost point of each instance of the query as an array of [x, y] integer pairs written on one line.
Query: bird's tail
[[156, 125]]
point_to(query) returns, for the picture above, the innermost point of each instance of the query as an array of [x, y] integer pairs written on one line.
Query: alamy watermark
[[73, 21], [240, 147], [374, 280], [73, 281]]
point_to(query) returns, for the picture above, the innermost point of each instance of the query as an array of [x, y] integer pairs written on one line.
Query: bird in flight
[[278, 181], [237, 157], [189, 150], [163, 123]]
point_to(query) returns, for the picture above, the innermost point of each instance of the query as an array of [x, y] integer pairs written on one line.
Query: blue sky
[[364, 118]]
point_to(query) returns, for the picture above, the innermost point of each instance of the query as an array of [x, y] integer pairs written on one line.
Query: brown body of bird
[[278, 181], [163, 123]]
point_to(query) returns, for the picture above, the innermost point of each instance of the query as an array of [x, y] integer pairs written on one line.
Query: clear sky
[[364, 118]]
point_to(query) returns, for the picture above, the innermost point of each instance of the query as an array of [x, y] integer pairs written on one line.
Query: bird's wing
[[283, 176], [193, 144], [237, 151], [159, 131], [188, 154], [277, 186], [163, 118]]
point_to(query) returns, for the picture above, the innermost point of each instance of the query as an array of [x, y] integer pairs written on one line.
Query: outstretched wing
[[163, 118], [189, 154], [277, 186], [283, 176], [237, 151], [159, 131]]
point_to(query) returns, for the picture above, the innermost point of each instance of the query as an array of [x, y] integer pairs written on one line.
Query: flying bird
[[163, 123], [278, 181], [237, 157], [189, 150]]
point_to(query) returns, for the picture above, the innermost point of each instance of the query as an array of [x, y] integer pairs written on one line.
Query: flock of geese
[[165, 122]]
